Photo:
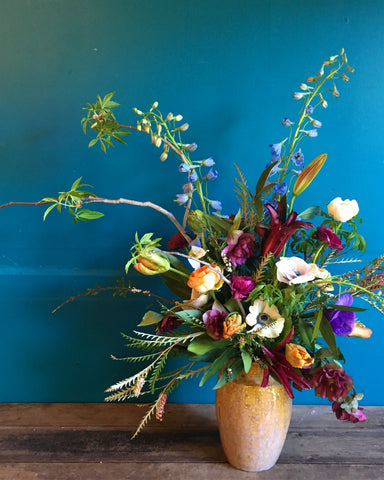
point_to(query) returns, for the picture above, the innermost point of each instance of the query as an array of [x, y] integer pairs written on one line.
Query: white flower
[[265, 320], [294, 270], [196, 252], [343, 210]]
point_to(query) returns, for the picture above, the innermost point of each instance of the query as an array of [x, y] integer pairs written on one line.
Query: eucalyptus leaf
[[150, 318]]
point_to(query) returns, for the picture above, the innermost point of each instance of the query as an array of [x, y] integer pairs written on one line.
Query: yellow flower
[[205, 279], [297, 356], [232, 324]]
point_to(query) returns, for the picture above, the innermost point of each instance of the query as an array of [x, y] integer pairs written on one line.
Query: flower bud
[[154, 105], [311, 79], [308, 174], [158, 142], [163, 156], [169, 117], [178, 118], [152, 263], [335, 92], [136, 110]]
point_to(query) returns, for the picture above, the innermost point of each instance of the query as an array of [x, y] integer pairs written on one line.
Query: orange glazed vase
[[253, 421]]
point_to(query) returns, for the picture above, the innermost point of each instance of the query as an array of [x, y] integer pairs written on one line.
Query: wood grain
[[81, 441]]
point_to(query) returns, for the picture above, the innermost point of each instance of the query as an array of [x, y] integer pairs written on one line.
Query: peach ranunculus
[[233, 324], [205, 279], [297, 356]]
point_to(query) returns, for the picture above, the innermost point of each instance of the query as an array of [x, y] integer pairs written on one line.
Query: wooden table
[[92, 442]]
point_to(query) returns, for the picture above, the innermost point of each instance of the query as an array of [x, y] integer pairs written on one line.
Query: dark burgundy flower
[[214, 322], [176, 241], [342, 321], [169, 323], [240, 247], [341, 414], [241, 287], [328, 237], [331, 381], [281, 368], [280, 232]]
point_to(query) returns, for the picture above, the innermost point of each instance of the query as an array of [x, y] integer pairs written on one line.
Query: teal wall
[[230, 68]]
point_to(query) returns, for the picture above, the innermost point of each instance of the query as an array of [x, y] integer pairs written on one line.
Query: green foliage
[[73, 200]]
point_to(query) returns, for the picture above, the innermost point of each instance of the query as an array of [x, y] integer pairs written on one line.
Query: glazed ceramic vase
[[253, 421]]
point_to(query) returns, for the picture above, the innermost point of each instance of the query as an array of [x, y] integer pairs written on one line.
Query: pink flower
[[241, 287], [331, 381], [240, 247], [341, 414], [328, 237]]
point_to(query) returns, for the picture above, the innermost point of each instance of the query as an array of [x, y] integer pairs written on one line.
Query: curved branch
[[141, 204], [9, 204]]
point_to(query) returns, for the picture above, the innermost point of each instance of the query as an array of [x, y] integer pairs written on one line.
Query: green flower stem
[[296, 136], [171, 269]]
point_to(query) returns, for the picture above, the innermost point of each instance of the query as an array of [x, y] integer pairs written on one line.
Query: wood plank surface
[[92, 441]]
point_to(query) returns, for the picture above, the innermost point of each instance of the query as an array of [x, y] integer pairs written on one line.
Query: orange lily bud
[[308, 174]]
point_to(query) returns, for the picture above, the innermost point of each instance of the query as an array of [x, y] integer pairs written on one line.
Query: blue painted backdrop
[[230, 68]]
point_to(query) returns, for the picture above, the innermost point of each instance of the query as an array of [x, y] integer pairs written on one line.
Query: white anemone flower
[[265, 320], [294, 270]]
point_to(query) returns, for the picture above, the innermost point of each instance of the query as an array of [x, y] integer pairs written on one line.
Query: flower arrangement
[[253, 286]]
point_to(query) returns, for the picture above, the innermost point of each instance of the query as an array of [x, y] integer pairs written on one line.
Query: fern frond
[[141, 358], [156, 372], [124, 394], [146, 418], [193, 373]]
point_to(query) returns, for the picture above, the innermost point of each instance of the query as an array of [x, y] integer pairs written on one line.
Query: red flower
[[331, 381], [328, 237], [280, 232], [169, 323], [176, 241], [341, 414]]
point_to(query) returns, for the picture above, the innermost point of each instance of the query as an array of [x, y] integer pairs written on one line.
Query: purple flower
[[341, 414], [192, 177], [297, 158], [214, 323], [281, 188], [309, 110], [240, 247], [208, 162], [241, 287], [212, 174], [328, 237], [342, 321]]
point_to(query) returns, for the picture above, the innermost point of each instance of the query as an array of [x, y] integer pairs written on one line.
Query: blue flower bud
[[212, 174], [181, 198], [184, 168], [192, 177], [215, 204], [208, 162]]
